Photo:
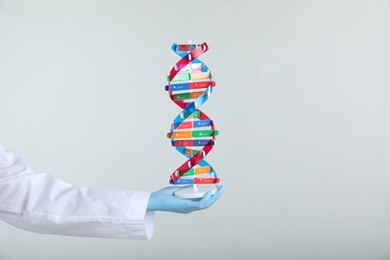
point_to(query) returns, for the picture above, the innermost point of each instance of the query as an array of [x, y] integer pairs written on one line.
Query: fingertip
[[218, 193], [221, 188], [208, 195], [206, 201]]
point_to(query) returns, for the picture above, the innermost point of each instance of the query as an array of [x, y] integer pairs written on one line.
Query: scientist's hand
[[164, 200]]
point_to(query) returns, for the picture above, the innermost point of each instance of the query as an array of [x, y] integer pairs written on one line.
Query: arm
[[42, 203]]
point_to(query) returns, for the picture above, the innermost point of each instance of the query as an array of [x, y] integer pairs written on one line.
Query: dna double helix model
[[192, 133]]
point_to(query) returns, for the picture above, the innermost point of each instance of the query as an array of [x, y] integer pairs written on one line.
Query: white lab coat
[[41, 203]]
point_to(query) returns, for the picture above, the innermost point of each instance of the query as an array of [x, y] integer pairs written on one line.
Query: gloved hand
[[165, 200]]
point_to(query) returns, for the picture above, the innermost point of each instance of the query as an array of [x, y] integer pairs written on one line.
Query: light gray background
[[302, 105]]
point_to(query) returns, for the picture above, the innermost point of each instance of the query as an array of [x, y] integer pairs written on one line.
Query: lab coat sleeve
[[41, 203]]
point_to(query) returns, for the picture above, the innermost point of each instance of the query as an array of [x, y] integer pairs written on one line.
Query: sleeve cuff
[[139, 223]]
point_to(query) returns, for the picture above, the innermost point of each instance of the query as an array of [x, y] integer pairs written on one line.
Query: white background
[[302, 105]]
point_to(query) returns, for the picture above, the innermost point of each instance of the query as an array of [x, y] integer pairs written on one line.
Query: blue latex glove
[[164, 200]]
